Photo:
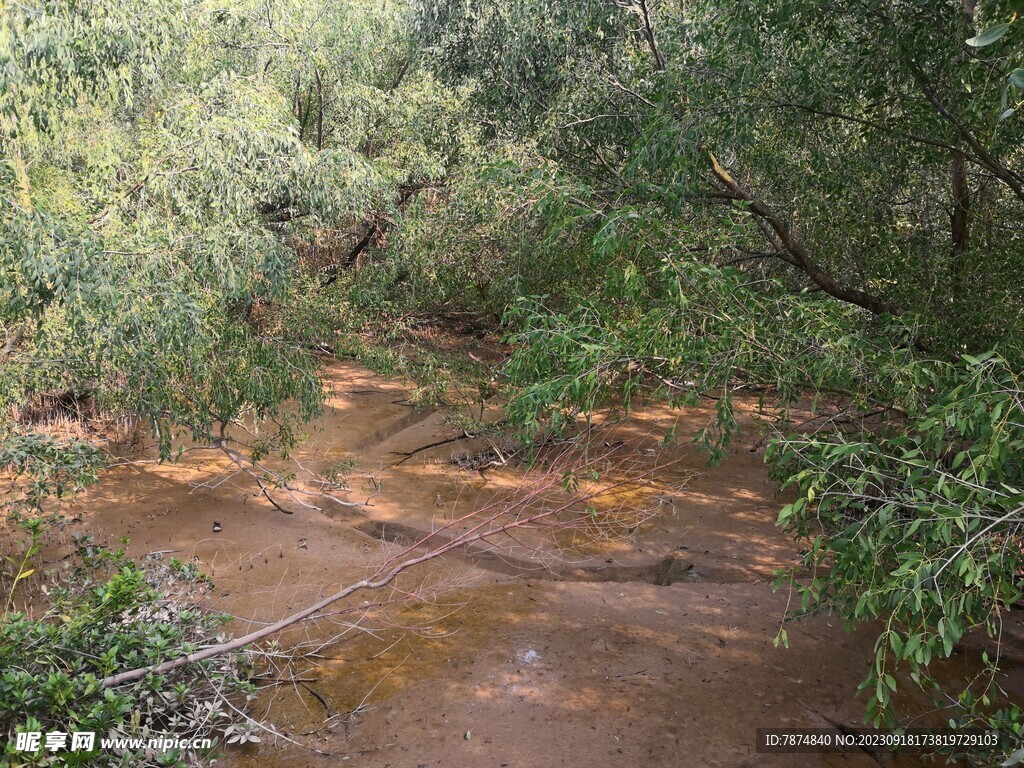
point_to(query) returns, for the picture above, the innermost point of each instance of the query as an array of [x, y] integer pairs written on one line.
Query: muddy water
[[652, 650]]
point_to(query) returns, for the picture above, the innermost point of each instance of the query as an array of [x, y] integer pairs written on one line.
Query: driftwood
[[541, 503]]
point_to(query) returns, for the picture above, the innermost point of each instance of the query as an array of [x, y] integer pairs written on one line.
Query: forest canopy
[[818, 202]]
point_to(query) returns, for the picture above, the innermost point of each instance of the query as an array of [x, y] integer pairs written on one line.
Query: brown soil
[[653, 650]]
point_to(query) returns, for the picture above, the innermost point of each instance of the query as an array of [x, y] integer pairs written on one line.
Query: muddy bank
[[653, 650]]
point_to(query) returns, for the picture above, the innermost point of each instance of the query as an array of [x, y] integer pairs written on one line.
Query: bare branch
[[542, 503]]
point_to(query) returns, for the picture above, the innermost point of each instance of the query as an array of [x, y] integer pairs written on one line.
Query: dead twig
[[409, 454]]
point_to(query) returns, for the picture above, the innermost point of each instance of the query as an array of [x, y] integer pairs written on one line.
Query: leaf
[[25, 574], [1015, 759], [897, 643], [1007, 113], [989, 36], [1016, 78]]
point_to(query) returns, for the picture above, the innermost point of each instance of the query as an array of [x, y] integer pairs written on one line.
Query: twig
[[317, 696], [409, 454]]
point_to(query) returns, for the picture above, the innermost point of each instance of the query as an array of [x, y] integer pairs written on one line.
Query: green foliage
[[520, 52], [52, 53], [844, 119], [648, 199], [718, 329], [989, 36], [136, 292], [107, 615], [919, 527], [458, 256], [41, 467]]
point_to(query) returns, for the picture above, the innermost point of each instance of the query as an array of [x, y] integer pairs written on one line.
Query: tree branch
[[527, 511], [333, 272], [874, 125], [645, 16], [802, 259], [981, 155]]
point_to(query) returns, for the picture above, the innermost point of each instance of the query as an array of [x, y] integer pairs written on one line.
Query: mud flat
[[655, 650]]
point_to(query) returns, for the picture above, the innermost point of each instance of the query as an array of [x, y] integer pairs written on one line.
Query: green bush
[[109, 615]]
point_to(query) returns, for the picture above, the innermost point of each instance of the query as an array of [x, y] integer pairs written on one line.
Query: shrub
[[107, 615]]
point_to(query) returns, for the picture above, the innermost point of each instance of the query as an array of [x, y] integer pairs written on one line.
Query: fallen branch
[[544, 504], [318, 697], [261, 474], [409, 454]]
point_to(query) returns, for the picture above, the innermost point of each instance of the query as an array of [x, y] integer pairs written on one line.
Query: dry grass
[[71, 415]]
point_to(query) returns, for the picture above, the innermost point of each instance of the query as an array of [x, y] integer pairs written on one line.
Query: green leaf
[[989, 36], [897, 643]]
